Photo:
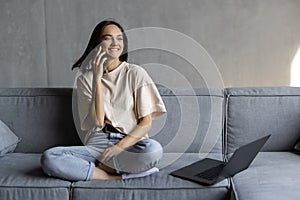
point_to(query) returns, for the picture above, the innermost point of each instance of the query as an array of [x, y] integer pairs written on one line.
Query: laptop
[[210, 171]]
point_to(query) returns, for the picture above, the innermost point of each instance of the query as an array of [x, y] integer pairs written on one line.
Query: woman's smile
[[114, 50]]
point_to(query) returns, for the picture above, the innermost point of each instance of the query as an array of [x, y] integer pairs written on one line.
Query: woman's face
[[112, 41]]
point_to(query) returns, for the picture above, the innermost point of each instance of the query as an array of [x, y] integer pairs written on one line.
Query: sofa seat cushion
[[272, 175], [157, 186], [21, 177]]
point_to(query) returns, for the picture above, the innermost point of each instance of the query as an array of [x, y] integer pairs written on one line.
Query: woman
[[116, 104]]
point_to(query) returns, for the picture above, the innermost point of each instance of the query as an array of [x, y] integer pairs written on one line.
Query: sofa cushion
[[42, 117], [193, 122], [254, 112], [157, 186], [8, 141], [21, 177], [272, 175]]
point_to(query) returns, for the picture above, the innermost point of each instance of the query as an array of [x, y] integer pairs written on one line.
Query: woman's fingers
[[97, 58], [98, 50], [98, 62], [98, 55], [102, 61], [110, 152]]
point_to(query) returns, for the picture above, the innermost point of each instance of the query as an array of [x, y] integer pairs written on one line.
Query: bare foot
[[107, 169], [100, 174]]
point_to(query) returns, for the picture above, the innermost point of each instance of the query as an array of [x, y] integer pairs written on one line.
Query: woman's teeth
[[113, 49]]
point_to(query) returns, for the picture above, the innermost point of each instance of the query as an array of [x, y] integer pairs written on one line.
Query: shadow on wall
[[295, 70]]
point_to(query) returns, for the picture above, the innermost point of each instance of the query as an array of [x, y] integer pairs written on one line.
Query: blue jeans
[[77, 163]]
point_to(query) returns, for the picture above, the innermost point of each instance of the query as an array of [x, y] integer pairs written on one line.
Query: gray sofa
[[201, 123]]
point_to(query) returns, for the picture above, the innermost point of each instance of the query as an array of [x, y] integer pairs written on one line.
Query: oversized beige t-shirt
[[129, 94]]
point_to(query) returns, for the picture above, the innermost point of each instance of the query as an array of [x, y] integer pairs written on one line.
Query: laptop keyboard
[[211, 173]]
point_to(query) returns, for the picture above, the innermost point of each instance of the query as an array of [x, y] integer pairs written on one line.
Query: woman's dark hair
[[95, 41]]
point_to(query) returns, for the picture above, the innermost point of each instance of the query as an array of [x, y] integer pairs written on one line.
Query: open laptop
[[210, 171]]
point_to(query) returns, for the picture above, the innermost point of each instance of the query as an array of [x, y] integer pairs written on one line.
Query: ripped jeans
[[77, 163]]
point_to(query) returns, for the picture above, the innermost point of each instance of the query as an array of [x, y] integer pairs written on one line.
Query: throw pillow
[[297, 147], [8, 141]]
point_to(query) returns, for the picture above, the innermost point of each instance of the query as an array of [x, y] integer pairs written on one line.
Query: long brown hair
[[95, 41]]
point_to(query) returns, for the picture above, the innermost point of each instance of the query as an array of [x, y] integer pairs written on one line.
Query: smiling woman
[[295, 70], [116, 104]]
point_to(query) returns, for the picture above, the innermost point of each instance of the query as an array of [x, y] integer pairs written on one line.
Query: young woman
[[116, 104]]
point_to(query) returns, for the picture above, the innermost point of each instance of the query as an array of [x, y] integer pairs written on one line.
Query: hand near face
[[98, 63]]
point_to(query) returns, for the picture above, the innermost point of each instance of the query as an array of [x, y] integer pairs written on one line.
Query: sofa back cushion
[[254, 112], [193, 122], [42, 117]]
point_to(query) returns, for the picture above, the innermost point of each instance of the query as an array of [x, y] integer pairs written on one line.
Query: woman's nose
[[114, 41]]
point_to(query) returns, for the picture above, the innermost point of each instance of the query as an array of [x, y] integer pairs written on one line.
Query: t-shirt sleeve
[[147, 98], [87, 116]]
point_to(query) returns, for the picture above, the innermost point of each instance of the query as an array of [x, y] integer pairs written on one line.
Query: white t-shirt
[[129, 94]]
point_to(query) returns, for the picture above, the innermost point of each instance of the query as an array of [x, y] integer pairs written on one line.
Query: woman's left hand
[[110, 152]]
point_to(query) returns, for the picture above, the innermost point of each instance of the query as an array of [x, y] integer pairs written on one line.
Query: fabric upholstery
[[193, 122], [194, 116], [42, 117], [21, 177], [157, 186], [8, 141], [272, 175], [254, 112]]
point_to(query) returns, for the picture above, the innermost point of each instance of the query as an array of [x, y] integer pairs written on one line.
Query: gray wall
[[253, 42]]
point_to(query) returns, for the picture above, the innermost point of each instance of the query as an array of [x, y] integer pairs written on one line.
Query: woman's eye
[[106, 38], [120, 39]]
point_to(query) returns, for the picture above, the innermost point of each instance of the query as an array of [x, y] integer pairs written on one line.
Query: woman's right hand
[[98, 64]]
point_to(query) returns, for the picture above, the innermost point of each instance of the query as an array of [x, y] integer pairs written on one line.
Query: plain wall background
[[253, 42]]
